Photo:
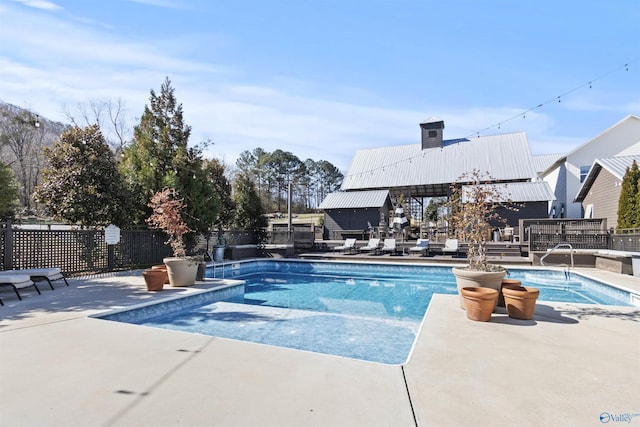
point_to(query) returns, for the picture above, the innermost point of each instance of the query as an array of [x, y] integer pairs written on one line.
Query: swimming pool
[[358, 310]]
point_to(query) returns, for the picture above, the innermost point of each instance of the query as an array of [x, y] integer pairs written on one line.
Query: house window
[[584, 171], [433, 134]]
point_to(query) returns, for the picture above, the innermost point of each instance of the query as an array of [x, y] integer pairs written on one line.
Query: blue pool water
[[363, 311]]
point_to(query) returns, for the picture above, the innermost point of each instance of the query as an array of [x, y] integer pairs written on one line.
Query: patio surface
[[571, 365]]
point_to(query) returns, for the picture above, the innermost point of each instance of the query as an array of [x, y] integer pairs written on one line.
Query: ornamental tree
[[82, 183], [166, 215], [474, 202]]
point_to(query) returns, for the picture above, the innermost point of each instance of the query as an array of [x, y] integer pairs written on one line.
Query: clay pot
[[479, 302], [509, 283], [163, 268], [182, 271], [520, 302], [476, 278], [154, 279]]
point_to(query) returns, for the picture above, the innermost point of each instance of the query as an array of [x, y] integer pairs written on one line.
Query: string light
[[516, 116]]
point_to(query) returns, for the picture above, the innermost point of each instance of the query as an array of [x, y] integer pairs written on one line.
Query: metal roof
[[541, 163], [617, 166], [428, 172], [355, 199], [521, 192]]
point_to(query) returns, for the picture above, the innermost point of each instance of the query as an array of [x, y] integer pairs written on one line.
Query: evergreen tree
[[628, 200], [215, 171], [249, 213], [159, 157], [82, 183], [9, 193]]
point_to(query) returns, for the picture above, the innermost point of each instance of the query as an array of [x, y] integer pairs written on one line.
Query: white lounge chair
[[422, 247], [450, 247], [389, 246], [348, 245], [40, 274], [17, 281], [372, 246]]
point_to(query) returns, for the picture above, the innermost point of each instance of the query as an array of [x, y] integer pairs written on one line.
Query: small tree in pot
[[167, 216], [474, 202]]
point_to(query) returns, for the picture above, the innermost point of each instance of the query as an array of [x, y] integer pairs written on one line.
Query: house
[[418, 172], [600, 191], [351, 214], [567, 173]]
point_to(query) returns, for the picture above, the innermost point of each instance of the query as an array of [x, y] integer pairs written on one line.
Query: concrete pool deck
[[568, 366]]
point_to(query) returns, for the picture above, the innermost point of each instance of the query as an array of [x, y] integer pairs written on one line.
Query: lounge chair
[[422, 247], [17, 281], [389, 246], [450, 247], [372, 246], [348, 245], [41, 274]]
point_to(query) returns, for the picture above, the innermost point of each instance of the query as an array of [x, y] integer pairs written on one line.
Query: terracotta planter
[[475, 278], [182, 271], [507, 283], [154, 279], [479, 302], [163, 268], [520, 302]]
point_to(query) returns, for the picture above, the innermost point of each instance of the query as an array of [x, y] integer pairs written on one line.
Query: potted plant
[[167, 216], [475, 198]]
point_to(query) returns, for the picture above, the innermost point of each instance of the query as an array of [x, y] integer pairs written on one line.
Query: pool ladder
[[560, 245]]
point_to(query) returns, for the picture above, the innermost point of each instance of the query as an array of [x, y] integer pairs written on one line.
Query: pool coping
[[60, 367]]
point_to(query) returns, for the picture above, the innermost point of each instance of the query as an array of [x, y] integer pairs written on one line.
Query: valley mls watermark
[[622, 417]]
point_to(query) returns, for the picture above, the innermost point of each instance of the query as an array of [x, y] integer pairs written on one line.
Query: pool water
[[362, 311]]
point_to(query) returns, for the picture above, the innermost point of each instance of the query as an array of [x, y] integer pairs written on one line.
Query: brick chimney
[[432, 132]]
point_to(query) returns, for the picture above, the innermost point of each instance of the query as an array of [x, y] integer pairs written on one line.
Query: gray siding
[[604, 195]]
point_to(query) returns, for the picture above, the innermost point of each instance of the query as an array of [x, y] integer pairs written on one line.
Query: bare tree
[[21, 142], [108, 114]]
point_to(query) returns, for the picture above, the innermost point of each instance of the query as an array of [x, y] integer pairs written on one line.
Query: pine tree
[[249, 212], [629, 198]]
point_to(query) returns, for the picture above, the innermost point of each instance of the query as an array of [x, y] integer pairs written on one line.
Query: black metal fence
[[543, 234], [85, 251]]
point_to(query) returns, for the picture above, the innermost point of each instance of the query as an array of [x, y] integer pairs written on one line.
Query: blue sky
[[324, 78]]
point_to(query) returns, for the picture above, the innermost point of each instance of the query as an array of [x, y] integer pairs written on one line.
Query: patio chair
[[41, 274], [389, 246], [373, 246], [348, 245], [507, 234], [17, 281], [450, 247], [422, 247]]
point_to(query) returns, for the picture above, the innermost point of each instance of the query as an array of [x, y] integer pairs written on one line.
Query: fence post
[[111, 257], [8, 246]]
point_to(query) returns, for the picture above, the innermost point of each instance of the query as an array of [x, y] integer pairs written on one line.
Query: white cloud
[[39, 4], [61, 62]]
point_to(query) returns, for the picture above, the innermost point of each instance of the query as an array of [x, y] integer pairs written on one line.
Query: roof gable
[[616, 166], [506, 157], [355, 199]]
